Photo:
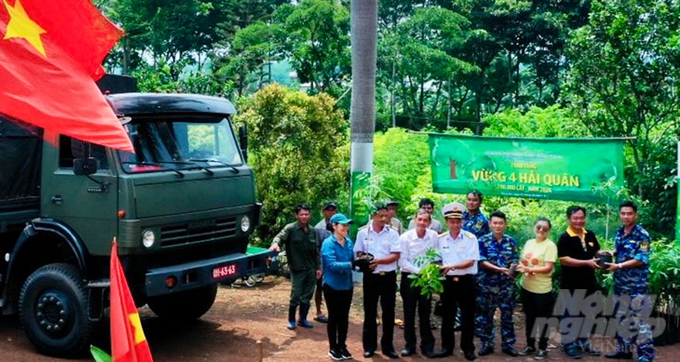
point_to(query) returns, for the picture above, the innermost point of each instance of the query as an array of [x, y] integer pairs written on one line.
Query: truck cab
[[181, 207]]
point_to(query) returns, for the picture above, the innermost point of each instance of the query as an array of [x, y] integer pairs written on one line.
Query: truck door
[[89, 205]]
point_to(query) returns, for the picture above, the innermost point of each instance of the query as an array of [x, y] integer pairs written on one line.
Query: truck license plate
[[224, 271]]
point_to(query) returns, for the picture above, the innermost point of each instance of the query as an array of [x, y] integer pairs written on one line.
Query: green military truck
[[182, 208]]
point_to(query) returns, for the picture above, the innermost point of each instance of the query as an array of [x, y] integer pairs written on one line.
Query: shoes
[[321, 318], [407, 352], [291, 317], [619, 355], [527, 351], [486, 350], [573, 353], [443, 353], [541, 354], [335, 355], [427, 353], [345, 353], [305, 323], [368, 354], [510, 351], [469, 355], [391, 353], [589, 350]]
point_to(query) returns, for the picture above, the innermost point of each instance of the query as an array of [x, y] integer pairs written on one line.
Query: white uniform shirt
[[381, 245], [434, 225], [412, 247], [455, 251], [321, 224]]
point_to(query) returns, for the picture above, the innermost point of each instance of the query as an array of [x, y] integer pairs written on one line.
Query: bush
[[298, 149]]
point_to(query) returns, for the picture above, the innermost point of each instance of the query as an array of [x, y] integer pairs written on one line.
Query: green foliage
[[318, 42], [429, 278], [665, 271], [398, 171], [298, 150], [623, 83], [550, 122]]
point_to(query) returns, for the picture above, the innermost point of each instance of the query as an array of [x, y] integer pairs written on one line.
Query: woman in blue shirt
[[337, 259]]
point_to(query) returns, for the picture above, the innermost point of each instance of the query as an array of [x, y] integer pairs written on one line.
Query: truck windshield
[[170, 143]]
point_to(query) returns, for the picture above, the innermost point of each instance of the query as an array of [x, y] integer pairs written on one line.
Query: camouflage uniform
[[634, 282], [477, 224], [496, 290]]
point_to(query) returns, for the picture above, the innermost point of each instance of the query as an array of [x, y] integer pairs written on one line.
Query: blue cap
[[340, 219]]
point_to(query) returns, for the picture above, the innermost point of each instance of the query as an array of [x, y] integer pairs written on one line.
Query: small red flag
[[50, 57], [128, 343]]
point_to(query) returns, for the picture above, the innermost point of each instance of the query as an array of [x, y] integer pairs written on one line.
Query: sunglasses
[[542, 228]]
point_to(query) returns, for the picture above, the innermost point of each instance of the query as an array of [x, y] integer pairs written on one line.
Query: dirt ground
[[242, 316]]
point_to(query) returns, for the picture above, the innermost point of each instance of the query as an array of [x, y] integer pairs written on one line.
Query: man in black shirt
[[577, 249]]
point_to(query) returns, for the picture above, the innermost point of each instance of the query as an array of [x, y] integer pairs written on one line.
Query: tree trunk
[[392, 100], [364, 32]]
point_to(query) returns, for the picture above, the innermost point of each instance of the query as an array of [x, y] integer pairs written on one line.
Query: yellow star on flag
[[21, 26], [137, 325]]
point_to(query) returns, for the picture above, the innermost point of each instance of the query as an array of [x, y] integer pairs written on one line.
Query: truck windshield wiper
[[158, 164], [206, 160], [193, 165]]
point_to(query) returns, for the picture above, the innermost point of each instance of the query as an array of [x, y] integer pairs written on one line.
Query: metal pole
[[364, 32]]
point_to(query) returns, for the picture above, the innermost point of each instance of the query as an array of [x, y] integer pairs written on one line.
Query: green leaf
[[99, 355]]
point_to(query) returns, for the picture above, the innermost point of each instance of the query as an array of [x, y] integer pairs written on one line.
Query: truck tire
[[184, 306], [53, 309]]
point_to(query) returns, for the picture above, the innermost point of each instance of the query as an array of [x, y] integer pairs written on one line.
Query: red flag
[[128, 343], [50, 57]]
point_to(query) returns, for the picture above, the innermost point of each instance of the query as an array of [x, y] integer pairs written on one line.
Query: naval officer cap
[[453, 210]]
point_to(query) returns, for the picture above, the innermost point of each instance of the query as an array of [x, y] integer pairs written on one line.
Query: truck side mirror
[[243, 141], [83, 164]]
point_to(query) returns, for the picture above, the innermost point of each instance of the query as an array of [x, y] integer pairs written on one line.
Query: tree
[[318, 42], [297, 148], [625, 66]]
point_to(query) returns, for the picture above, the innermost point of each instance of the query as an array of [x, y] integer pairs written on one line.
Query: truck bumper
[[223, 269]]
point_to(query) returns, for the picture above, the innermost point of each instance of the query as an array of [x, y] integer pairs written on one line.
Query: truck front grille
[[198, 232]]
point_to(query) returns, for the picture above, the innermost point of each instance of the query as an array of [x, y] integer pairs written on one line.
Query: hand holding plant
[[429, 278]]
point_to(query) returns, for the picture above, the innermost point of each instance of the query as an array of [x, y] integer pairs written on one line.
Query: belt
[[457, 278], [382, 274]]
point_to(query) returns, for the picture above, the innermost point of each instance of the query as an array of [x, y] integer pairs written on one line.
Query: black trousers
[[413, 301], [537, 306], [338, 303], [379, 287], [459, 292]]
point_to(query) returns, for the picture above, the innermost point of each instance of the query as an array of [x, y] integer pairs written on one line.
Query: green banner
[[560, 169], [361, 182]]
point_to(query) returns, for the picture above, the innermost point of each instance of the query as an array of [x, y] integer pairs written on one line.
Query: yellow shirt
[[535, 255]]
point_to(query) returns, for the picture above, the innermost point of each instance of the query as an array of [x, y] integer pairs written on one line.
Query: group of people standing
[[479, 263]]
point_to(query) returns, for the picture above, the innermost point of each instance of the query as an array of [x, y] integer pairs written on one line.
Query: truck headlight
[[148, 238], [245, 224]]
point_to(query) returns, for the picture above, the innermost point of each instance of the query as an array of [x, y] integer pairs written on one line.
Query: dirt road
[[241, 317]]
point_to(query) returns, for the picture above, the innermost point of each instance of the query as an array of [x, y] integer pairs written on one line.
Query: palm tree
[[364, 14]]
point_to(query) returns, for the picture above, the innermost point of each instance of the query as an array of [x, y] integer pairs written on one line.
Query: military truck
[[182, 208]]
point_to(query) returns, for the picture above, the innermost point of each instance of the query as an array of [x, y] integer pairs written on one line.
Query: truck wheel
[[53, 308], [184, 306]]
